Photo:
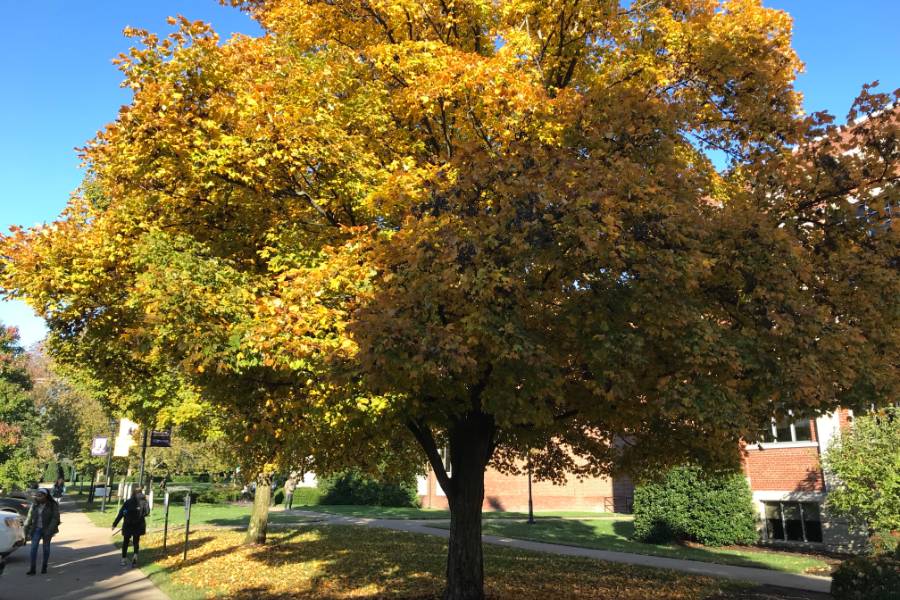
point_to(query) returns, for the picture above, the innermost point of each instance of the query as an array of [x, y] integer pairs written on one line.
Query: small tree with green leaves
[[865, 462], [20, 432]]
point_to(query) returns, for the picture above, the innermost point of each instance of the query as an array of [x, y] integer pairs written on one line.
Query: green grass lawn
[[222, 515], [331, 561], [615, 535], [239, 514]]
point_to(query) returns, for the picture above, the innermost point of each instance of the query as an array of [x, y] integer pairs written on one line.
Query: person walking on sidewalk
[[133, 515], [41, 524], [289, 486]]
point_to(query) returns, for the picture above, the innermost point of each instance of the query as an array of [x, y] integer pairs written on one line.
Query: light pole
[[143, 458], [109, 443], [530, 501]]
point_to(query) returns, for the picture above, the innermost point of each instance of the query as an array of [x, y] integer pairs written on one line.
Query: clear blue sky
[[60, 86]]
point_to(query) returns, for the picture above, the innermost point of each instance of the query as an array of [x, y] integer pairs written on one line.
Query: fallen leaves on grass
[[332, 562]]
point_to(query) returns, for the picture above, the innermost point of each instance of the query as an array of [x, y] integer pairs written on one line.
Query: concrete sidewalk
[[758, 576], [84, 565]]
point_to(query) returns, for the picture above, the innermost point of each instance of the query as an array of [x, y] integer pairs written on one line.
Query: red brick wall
[[510, 492], [844, 418], [784, 469]]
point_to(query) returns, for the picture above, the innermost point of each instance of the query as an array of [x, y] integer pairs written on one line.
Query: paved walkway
[[84, 565], [769, 577]]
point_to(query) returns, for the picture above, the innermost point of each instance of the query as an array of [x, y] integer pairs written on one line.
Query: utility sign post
[[109, 452], [166, 522], [187, 522]]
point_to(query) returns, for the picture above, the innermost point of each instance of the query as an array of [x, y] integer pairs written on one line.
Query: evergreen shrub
[[867, 578], [355, 488], [690, 505]]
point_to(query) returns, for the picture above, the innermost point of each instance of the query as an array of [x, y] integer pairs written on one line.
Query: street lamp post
[[530, 502], [143, 458], [112, 431]]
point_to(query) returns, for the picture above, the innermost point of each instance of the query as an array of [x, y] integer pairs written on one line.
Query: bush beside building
[[690, 505]]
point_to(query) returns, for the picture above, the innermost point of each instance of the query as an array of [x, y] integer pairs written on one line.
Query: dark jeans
[[135, 540], [36, 537]]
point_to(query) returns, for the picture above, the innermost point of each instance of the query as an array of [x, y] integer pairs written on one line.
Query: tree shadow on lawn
[[333, 561], [241, 521], [325, 567], [615, 536], [175, 547]]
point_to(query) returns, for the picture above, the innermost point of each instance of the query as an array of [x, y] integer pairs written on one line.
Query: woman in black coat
[[41, 524], [133, 515]]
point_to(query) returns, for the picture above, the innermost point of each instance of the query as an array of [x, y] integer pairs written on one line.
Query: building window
[[788, 430], [444, 453], [793, 521]]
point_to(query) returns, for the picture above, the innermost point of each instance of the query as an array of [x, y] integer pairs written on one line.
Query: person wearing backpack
[[133, 515], [41, 524]]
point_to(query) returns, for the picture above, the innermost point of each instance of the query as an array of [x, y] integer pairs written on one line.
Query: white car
[[12, 531]]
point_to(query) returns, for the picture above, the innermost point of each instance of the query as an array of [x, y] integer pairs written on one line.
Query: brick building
[[783, 469], [510, 492], [789, 485]]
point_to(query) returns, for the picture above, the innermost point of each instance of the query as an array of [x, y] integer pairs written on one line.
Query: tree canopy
[[496, 226]]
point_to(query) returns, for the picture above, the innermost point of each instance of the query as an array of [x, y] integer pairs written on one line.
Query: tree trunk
[[259, 517], [471, 445]]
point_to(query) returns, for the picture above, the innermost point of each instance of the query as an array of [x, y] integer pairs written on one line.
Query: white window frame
[[444, 453], [792, 443]]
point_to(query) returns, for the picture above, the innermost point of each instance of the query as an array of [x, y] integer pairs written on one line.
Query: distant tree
[[20, 428], [73, 413], [865, 462]]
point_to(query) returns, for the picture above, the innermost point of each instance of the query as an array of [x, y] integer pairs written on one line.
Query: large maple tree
[[591, 235]]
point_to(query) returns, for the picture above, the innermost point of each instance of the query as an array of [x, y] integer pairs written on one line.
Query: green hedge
[[219, 494], [53, 472], [196, 478], [208, 494], [867, 578], [688, 504], [303, 496], [177, 496], [353, 487]]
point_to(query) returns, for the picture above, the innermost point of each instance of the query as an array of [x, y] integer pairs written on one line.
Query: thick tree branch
[[423, 435]]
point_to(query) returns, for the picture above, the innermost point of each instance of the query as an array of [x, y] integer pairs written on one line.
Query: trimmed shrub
[[353, 487], [183, 479], [303, 496], [208, 494], [177, 496], [867, 578], [690, 505], [307, 496], [218, 495]]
